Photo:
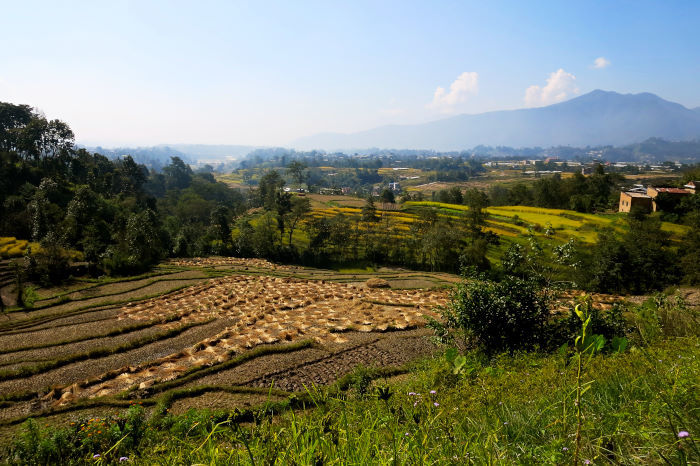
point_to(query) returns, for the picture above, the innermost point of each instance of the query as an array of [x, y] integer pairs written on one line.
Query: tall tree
[[300, 207]]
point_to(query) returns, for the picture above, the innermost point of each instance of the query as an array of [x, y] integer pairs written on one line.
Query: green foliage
[[360, 380], [665, 316], [639, 261], [496, 316], [512, 409], [29, 296], [104, 439]]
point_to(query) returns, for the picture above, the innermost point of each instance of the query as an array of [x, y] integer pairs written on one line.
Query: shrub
[[665, 316], [607, 323], [105, 438], [496, 316]]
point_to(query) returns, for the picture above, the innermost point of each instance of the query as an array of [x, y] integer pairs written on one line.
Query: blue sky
[[266, 73]]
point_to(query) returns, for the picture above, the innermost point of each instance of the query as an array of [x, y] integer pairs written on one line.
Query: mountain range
[[595, 119]]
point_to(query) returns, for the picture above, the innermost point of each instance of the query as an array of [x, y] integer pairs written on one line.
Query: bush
[[665, 316], [107, 439], [496, 316], [608, 323]]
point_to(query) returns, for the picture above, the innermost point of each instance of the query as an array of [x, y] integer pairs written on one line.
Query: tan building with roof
[[676, 193], [629, 200]]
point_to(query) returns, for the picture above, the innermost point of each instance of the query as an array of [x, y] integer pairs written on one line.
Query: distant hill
[[598, 118]]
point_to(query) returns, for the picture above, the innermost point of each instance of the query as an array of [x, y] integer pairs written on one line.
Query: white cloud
[[465, 85], [601, 62], [560, 85]]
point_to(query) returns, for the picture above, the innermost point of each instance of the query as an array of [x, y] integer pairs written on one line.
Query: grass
[[510, 409]]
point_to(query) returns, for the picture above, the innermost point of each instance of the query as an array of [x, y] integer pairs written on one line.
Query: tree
[[270, 183], [283, 206], [178, 174], [477, 201], [387, 197], [296, 170], [300, 207], [369, 211], [218, 222], [690, 246]]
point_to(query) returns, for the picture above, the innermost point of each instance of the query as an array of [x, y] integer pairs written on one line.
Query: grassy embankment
[[507, 409]]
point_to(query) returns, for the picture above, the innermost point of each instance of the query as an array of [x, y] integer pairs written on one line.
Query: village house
[[674, 192], [635, 199], [647, 200]]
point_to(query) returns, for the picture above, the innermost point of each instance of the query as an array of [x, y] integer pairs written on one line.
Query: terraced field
[[196, 332]]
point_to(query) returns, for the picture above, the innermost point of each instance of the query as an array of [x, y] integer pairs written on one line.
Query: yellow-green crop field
[[509, 222], [13, 247]]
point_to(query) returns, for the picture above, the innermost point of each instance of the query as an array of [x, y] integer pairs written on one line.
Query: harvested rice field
[[223, 330], [218, 333]]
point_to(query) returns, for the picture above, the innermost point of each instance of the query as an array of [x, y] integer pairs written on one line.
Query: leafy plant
[[497, 316], [586, 345]]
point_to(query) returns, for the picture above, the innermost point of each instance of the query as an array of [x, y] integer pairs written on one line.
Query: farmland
[[96, 344], [234, 326], [511, 223], [224, 335]]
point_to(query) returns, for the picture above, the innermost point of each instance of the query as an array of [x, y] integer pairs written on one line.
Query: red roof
[[672, 190]]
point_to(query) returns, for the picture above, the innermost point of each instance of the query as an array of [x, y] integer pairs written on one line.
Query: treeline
[[432, 242], [363, 169], [594, 193], [120, 215]]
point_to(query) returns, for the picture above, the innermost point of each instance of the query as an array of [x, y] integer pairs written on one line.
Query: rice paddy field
[[234, 326], [241, 325], [511, 223]]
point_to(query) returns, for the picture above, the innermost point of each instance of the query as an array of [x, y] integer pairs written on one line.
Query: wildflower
[[123, 458], [683, 434], [407, 434], [415, 404], [586, 461], [436, 404], [95, 456], [564, 449], [433, 392], [411, 394]]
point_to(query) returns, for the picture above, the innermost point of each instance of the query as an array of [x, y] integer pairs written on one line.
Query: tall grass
[[507, 409]]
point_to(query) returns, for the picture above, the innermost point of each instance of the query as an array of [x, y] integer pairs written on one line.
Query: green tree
[[178, 175], [301, 206], [296, 170], [270, 183], [369, 211], [477, 201], [500, 316], [387, 197]]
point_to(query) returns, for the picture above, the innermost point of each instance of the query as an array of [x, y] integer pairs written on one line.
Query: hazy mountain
[[596, 118]]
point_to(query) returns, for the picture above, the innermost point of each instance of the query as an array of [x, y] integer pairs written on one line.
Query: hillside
[[597, 118]]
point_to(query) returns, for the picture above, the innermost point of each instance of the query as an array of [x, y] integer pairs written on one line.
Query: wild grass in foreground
[[643, 406]]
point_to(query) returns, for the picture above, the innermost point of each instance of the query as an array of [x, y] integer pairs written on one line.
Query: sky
[[264, 73]]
